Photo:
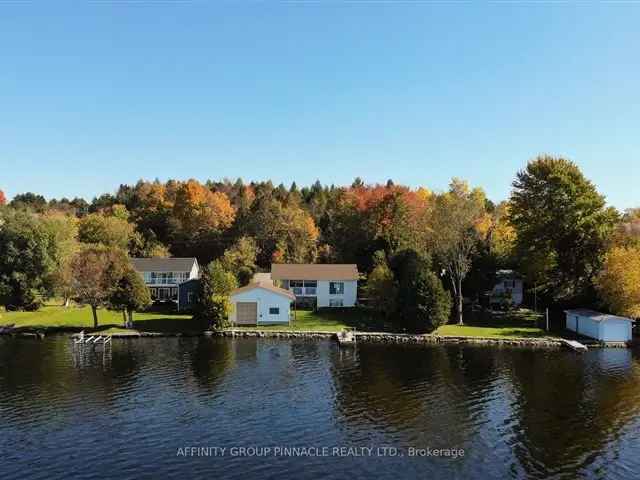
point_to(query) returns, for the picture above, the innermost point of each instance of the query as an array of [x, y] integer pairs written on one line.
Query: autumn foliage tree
[[96, 272], [619, 281], [3, 199], [456, 225], [197, 208]]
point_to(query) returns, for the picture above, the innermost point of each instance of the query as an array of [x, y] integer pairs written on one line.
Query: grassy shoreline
[[55, 318]]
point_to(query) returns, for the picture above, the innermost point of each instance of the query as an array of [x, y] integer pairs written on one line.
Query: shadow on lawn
[[169, 325], [166, 324]]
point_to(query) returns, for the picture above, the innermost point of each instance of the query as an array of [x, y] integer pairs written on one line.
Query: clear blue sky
[[92, 96]]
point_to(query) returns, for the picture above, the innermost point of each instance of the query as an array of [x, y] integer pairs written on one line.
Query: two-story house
[[170, 279], [325, 285], [508, 289]]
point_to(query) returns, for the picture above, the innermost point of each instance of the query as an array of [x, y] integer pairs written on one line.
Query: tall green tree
[[433, 302], [63, 230], [27, 260], [562, 225], [214, 305], [240, 259], [104, 229], [381, 286], [129, 295]]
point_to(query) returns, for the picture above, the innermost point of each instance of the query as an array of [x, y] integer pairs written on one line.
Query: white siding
[[266, 300], [606, 331], [616, 331], [348, 298], [195, 271]]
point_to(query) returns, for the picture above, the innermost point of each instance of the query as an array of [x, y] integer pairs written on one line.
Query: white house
[[507, 289], [601, 326], [261, 304], [327, 285], [166, 277]]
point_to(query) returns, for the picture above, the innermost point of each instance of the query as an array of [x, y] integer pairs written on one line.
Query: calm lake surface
[[125, 413]]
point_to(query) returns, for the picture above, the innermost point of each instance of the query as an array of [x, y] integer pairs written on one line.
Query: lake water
[[135, 411]]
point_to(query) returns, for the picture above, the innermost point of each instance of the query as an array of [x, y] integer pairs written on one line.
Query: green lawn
[[77, 318], [518, 324], [500, 325], [330, 320]]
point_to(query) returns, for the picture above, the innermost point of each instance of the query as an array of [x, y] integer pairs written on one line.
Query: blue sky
[[96, 95]]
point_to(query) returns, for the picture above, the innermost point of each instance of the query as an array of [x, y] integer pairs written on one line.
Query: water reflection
[[517, 413]]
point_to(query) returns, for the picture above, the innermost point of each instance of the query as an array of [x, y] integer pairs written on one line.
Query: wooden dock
[[574, 345]]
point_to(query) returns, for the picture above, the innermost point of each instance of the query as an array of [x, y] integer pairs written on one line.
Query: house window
[[336, 288], [274, 311], [310, 287], [336, 302]]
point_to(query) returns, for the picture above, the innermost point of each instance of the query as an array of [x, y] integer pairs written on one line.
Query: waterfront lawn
[[520, 323], [330, 320], [76, 318]]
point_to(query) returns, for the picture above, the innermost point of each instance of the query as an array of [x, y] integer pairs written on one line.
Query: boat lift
[[82, 339]]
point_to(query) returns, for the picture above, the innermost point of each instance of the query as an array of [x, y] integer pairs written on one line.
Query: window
[[274, 311], [296, 283], [310, 287], [336, 302], [336, 288]]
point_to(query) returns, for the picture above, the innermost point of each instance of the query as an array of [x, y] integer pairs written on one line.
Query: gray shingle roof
[[163, 264]]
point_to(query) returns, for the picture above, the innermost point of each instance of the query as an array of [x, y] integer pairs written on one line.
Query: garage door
[[247, 313]]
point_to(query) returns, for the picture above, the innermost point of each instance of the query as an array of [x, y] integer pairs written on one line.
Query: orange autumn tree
[[393, 214], [198, 209], [3, 199]]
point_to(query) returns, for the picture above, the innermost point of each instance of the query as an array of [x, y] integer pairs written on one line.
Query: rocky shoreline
[[368, 337], [396, 338]]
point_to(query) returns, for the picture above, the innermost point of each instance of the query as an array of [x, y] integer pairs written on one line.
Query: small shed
[[601, 326], [261, 304]]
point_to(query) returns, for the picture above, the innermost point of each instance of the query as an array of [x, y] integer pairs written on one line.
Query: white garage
[[601, 326], [261, 304]]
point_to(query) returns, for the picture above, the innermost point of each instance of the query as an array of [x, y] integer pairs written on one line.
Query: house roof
[[266, 286], [159, 264], [261, 277], [507, 274], [314, 271], [595, 316]]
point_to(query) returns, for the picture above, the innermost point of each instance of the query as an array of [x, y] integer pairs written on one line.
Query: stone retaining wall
[[384, 337]]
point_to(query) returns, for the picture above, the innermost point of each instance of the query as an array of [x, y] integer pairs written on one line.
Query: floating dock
[[574, 345]]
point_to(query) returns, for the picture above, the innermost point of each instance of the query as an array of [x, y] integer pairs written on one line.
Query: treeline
[[438, 248]]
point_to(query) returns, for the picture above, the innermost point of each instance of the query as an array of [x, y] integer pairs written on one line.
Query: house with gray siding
[[170, 279]]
